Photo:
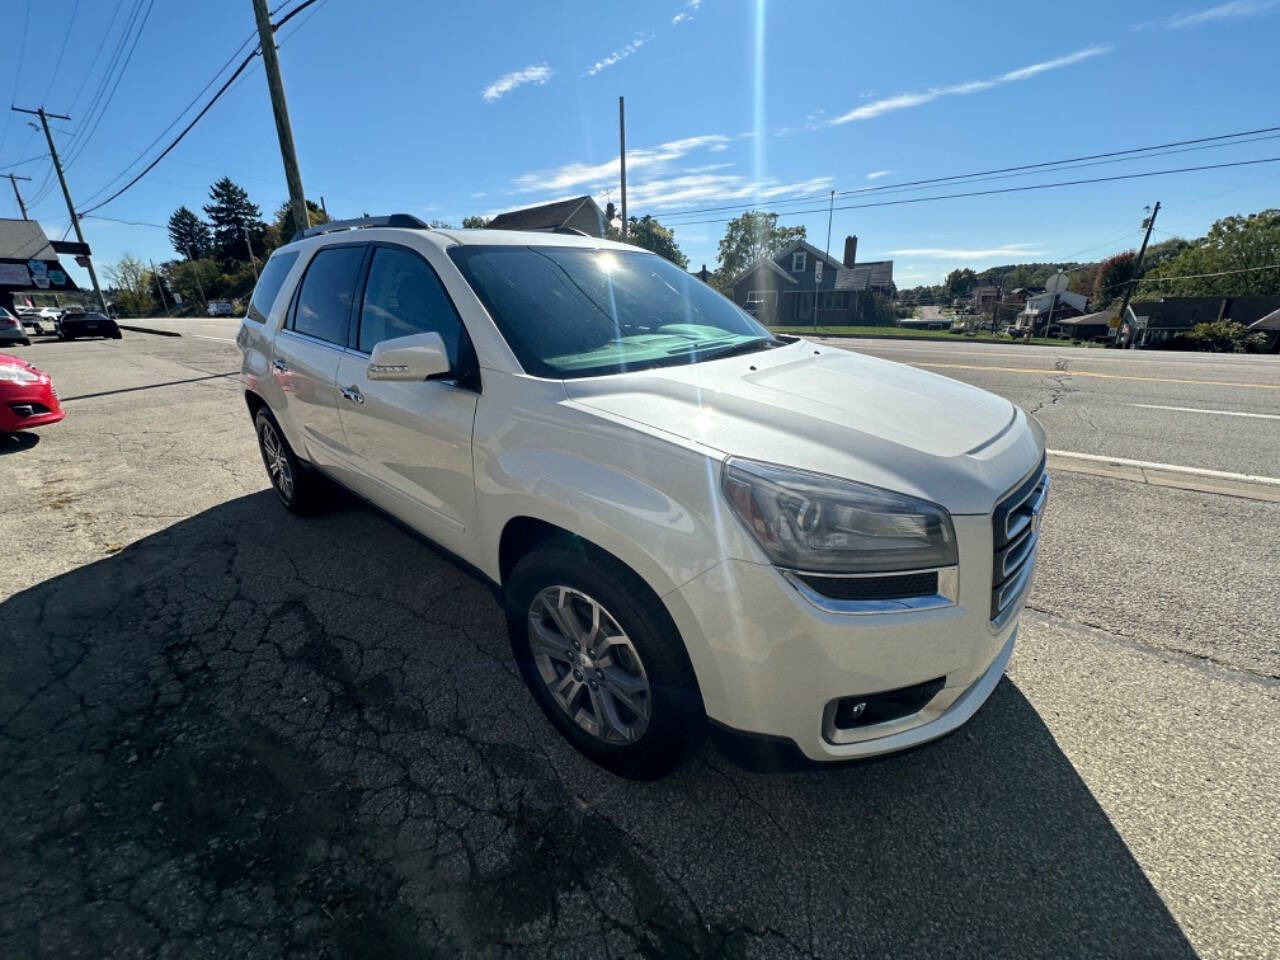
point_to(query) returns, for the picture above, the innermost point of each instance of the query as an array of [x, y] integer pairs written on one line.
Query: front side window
[[324, 302], [264, 294], [577, 312], [403, 296]]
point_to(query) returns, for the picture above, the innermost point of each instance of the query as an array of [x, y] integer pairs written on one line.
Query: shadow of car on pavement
[[18, 442], [253, 735]]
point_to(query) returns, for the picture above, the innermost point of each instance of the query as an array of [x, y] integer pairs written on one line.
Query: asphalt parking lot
[[225, 731]]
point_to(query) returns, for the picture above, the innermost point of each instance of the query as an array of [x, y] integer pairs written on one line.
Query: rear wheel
[[295, 485], [603, 659]]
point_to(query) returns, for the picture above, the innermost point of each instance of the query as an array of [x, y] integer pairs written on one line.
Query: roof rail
[[404, 220], [572, 230]]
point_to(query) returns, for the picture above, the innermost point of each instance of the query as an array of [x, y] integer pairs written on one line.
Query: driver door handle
[[352, 393]]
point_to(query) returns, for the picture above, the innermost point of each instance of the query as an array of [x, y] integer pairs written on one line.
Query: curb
[[150, 330]]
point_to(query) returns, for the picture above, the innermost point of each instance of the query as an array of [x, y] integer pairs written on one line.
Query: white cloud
[[478, 194], [1222, 13], [619, 54], [587, 174], [693, 4], [683, 190], [680, 18], [903, 101], [1010, 251], [877, 174], [538, 73]]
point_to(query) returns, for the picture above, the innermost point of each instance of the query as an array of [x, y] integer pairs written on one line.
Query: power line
[[10, 166], [999, 190], [1022, 168], [203, 110], [17, 73], [62, 50]]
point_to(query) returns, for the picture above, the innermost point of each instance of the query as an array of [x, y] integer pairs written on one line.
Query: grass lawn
[[907, 333]]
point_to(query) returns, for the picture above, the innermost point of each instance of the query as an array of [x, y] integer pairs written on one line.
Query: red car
[[27, 397]]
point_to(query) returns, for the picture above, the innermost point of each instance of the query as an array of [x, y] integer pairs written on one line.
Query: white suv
[[686, 517]]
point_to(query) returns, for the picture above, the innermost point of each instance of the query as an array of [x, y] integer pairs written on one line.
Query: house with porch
[[800, 285]]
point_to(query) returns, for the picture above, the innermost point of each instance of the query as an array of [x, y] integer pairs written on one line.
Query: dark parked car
[[75, 325]]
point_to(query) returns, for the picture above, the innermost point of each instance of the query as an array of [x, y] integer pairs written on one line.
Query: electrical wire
[[1022, 169], [17, 73], [203, 110], [998, 190], [62, 51]]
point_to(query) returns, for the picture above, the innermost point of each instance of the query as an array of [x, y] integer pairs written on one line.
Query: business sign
[[38, 268], [14, 275], [57, 278]]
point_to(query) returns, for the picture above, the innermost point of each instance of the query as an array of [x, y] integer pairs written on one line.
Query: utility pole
[[271, 65], [66, 193], [622, 157], [1137, 268], [249, 245], [323, 209], [195, 268], [160, 286], [817, 292], [14, 178]]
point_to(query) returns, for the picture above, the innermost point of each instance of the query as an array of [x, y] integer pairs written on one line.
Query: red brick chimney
[[850, 251]]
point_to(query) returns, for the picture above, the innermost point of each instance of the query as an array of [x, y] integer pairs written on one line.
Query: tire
[[25, 341], [296, 486], [117, 335], [571, 575]]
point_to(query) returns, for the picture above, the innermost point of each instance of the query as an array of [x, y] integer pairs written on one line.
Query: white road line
[[1168, 467], [201, 336], [1220, 413]]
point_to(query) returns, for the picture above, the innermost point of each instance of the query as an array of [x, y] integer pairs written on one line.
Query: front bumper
[[770, 662]]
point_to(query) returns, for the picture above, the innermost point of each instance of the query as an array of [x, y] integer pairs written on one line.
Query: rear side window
[[273, 274], [324, 302], [403, 296]]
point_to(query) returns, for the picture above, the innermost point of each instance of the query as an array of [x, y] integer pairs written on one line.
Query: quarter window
[[324, 302], [403, 296], [273, 274]]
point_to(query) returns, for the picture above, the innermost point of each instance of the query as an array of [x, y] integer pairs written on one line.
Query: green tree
[[959, 282], [474, 223], [648, 233], [196, 280], [189, 234], [234, 217], [284, 222], [1234, 246], [134, 285], [749, 237], [1110, 278]]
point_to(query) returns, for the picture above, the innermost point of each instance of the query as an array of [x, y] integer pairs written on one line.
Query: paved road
[[229, 732], [1214, 411]]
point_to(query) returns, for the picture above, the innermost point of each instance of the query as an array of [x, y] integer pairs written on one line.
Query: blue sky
[[449, 109]]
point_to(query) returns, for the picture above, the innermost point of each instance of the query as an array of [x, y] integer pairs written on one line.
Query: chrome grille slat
[[1016, 540]]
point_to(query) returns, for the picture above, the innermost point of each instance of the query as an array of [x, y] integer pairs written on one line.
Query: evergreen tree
[[284, 219], [189, 234], [233, 216]]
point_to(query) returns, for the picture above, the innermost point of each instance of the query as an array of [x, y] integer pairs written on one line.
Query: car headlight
[[815, 523], [17, 374]]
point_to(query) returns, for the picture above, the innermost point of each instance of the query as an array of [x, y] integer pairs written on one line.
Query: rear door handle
[[352, 393], [280, 366]]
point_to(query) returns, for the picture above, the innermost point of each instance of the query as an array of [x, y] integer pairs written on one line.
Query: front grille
[[1015, 537], [885, 587]]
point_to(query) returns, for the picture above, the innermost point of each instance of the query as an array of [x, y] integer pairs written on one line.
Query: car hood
[[836, 412]]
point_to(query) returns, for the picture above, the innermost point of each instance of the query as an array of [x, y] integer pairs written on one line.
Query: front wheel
[[603, 659]]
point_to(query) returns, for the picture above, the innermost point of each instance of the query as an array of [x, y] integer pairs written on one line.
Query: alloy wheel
[[589, 665], [277, 461]]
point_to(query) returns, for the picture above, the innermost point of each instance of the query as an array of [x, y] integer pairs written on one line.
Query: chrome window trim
[[947, 595]]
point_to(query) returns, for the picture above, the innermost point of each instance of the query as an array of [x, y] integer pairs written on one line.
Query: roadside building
[[985, 297], [1090, 326], [578, 214], [1042, 310], [29, 263], [785, 289], [1155, 322]]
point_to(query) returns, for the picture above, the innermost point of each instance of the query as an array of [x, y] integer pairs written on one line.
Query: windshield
[[576, 312]]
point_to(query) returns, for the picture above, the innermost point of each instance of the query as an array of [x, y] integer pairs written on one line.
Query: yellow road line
[[1100, 376]]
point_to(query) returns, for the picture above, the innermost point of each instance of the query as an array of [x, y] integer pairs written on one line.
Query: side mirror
[[417, 357]]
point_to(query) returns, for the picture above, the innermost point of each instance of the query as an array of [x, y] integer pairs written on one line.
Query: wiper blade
[[751, 346]]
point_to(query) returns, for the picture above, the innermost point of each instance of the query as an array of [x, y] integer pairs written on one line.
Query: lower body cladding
[[841, 685]]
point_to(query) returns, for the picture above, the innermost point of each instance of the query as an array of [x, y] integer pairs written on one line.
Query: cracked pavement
[[226, 731]]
